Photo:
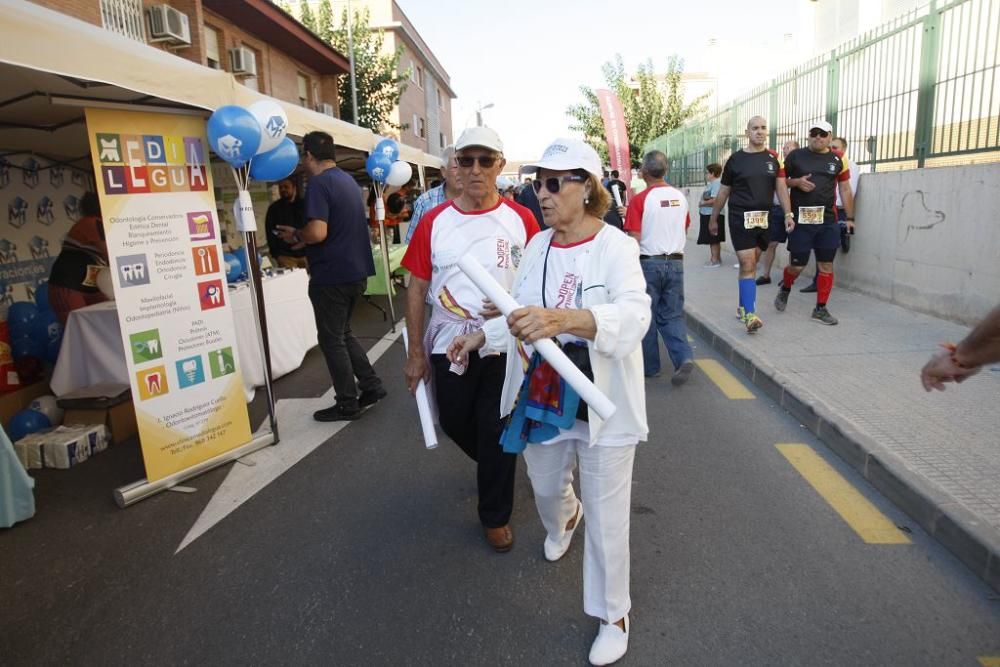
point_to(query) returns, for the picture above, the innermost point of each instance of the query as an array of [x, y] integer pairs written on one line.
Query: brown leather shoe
[[501, 539]]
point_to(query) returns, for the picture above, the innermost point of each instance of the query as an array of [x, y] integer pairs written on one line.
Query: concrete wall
[[927, 239]]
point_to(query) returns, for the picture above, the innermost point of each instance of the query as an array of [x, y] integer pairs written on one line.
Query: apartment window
[[124, 17], [418, 127], [440, 99], [441, 139], [212, 57], [303, 82], [417, 74]]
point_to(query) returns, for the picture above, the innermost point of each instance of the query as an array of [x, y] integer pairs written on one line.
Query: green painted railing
[[921, 90]]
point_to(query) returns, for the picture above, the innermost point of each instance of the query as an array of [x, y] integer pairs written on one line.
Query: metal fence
[[921, 90]]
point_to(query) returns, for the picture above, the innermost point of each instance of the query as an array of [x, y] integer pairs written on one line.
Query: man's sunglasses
[[485, 161], [554, 184], [816, 132]]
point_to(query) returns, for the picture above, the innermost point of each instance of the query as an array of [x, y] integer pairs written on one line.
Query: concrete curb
[[955, 527]]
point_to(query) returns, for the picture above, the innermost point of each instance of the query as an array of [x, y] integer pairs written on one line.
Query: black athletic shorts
[[705, 237], [747, 239], [814, 237], [776, 232]]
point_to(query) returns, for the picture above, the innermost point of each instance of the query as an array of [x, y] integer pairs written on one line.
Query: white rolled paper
[[551, 352], [423, 406], [618, 197]]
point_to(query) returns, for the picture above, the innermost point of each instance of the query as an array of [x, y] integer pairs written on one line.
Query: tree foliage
[[380, 84], [652, 104]]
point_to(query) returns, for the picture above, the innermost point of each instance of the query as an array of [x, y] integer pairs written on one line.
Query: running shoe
[[764, 280], [753, 323], [781, 300], [712, 265], [822, 315], [741, 314]]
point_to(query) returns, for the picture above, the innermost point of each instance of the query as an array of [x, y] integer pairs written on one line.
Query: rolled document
[[618, 197], [423, 406], [593, 396]]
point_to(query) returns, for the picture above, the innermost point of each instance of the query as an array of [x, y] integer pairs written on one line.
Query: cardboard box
[[12, 402], [120, 419]]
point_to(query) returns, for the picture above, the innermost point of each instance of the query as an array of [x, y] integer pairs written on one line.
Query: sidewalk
[[857, 386]]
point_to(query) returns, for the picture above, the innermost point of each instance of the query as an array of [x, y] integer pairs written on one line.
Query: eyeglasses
[[816, 132], [554, 184], [485, 161]]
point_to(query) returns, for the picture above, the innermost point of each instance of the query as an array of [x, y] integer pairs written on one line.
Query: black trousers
[[345, 358], [469, 413]]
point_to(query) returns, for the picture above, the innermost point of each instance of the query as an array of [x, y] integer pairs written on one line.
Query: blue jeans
[[665, 287]]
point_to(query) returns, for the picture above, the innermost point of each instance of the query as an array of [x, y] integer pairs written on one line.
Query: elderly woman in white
[[579, 282]]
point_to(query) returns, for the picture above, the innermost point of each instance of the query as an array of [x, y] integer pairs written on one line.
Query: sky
[[529, 58]]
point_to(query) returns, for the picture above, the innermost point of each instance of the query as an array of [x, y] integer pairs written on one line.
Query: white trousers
[[606, 487]]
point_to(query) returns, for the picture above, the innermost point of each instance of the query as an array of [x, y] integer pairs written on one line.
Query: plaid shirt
[[424, 203]]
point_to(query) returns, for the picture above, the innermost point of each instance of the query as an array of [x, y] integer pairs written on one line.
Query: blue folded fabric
[[17, 502], [545, 403]]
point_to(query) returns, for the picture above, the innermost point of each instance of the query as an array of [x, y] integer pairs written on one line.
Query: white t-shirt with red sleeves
[[660, 214], [496, 237]]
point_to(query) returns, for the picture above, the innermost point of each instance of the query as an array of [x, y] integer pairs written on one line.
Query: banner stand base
[[136, 491]]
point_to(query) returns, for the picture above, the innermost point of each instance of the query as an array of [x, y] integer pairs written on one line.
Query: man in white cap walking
[[482, 224], [815, 174]]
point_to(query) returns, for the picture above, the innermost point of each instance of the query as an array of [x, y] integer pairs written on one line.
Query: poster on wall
[[43, 202], [163, 236]]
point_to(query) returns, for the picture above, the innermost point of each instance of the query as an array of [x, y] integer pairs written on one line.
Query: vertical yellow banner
[[165, 249]]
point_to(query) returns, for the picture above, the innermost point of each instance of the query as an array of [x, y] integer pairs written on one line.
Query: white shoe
[[610, 645], [712, 265], [556, 549]]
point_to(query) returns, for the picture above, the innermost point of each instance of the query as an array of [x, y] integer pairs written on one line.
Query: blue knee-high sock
[[748, 294]]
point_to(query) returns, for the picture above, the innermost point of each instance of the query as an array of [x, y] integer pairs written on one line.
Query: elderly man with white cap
[[579, 282], [815, 174], [482, 224]]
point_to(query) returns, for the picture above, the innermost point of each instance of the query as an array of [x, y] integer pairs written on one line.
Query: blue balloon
[[20, 317], [46, 327], [27, 421], [42, 296], [277, 163], [28, 346], [234, 267], [389, 148], [234, 134], [378, 167]]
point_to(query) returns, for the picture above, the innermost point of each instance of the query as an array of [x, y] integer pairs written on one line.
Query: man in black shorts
[[815, 174], [776, 232], [750, 180]]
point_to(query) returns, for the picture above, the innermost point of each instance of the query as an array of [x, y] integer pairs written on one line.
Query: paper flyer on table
[[165, 251]]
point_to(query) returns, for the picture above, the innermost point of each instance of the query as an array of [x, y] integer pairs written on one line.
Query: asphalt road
[[368, 552]]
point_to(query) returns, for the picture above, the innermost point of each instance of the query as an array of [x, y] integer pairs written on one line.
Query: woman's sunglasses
[[554, 184], [485, 161], [816, 132]]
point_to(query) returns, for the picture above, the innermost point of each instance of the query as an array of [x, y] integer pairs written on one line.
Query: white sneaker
[[556, 549], [610, 645], [712, 265]]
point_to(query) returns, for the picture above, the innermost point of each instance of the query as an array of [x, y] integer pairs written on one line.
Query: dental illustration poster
[[162, 229]]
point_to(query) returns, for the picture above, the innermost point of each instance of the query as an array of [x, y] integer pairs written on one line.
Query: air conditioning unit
[[243, 61], [166, 24], [323, 107]]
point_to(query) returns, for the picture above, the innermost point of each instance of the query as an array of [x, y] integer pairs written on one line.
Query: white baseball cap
[[821, 125], [565, 155], [479, 136]]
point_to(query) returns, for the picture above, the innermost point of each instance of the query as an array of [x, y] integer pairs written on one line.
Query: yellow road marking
[[989, 660], [730, 386], [864, 518]]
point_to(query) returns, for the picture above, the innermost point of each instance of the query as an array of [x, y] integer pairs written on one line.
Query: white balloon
[[399, 174], [47, 406], [105, 283], [273, 123]]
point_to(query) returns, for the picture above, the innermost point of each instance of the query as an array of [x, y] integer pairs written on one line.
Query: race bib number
[[755, 220], [811, 215]]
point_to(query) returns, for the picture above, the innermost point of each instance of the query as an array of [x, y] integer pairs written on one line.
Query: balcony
[[124, 17]]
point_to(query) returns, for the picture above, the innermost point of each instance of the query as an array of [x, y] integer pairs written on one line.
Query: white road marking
[[300, 435]]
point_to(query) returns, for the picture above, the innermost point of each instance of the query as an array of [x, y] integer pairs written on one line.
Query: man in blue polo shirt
[[339, 251]]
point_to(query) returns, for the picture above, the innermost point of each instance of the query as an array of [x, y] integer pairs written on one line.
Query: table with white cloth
[[92, 350]]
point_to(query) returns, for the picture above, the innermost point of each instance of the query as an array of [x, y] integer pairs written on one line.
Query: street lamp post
[[479, 113], [350, 53]]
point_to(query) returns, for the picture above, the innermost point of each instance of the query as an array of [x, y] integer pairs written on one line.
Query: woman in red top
[[73, 280]]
